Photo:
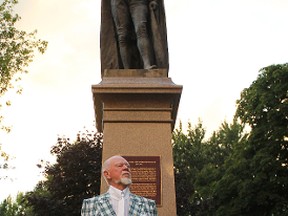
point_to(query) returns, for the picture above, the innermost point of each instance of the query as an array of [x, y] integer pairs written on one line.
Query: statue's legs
[[137, 10], [139, 14], [121, 16]]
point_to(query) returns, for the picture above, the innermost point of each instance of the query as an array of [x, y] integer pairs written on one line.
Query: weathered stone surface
[[137, 84]]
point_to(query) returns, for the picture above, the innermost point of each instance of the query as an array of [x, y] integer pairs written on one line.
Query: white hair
[[106, 166]]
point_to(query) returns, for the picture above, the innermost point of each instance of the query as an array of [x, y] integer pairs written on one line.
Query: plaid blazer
[[101, 206]]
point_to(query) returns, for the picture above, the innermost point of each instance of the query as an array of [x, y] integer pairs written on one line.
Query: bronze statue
[[133, 35]]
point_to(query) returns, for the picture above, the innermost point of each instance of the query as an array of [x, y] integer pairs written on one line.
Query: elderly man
[[118, 200]]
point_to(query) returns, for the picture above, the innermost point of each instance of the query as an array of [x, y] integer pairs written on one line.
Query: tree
[[255, 175], [18, 207], [7, 208], [237, 172], [75, 176], [222, 146], [199, 164], [264, 107], [17, 50], [188, 160]]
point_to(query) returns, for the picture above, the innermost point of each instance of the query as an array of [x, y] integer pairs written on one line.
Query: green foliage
[[18, 207], [7, 207], [264, 107], [237, 172], [17, 50], [199, 165], [41, 201], [220, 148], [188, 160], [75, 176]]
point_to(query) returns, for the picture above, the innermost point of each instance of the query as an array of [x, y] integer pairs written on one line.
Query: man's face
[[118, 172]]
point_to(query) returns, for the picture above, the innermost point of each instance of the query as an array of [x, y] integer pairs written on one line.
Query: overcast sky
[[216, 49]]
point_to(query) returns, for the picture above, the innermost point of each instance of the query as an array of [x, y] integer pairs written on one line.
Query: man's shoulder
[[90, 206], [96, 198], [142, 199], [143, 204]]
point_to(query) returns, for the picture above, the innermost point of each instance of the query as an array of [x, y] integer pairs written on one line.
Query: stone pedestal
[[136, 110]]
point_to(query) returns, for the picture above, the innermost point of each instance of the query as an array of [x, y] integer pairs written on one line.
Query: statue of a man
[[133, 34]]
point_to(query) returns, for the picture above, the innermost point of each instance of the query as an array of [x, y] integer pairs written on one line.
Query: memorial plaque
[[146, 177]]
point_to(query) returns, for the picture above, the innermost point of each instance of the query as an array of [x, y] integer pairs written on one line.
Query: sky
[[216, 49]]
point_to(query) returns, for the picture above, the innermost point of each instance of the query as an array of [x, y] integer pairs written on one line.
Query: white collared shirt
[[116, 197]]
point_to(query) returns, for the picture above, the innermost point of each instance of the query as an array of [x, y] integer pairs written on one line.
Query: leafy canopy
[[75, 176], [17, 50]]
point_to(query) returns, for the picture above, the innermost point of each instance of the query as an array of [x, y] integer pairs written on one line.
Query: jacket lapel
[[105, 206], [135, 205]]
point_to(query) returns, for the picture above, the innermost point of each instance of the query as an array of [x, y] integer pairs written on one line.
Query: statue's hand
[[153, 5]]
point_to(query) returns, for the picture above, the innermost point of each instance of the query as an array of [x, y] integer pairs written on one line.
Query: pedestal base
[[136, 110]]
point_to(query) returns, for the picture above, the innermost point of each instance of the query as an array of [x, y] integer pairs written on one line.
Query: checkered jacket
[[101, 206]]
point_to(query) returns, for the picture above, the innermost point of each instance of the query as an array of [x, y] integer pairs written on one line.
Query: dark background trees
[[199, 165], [243, 173], [74, 177], [188, 161], [257, 169], [264, 107]]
